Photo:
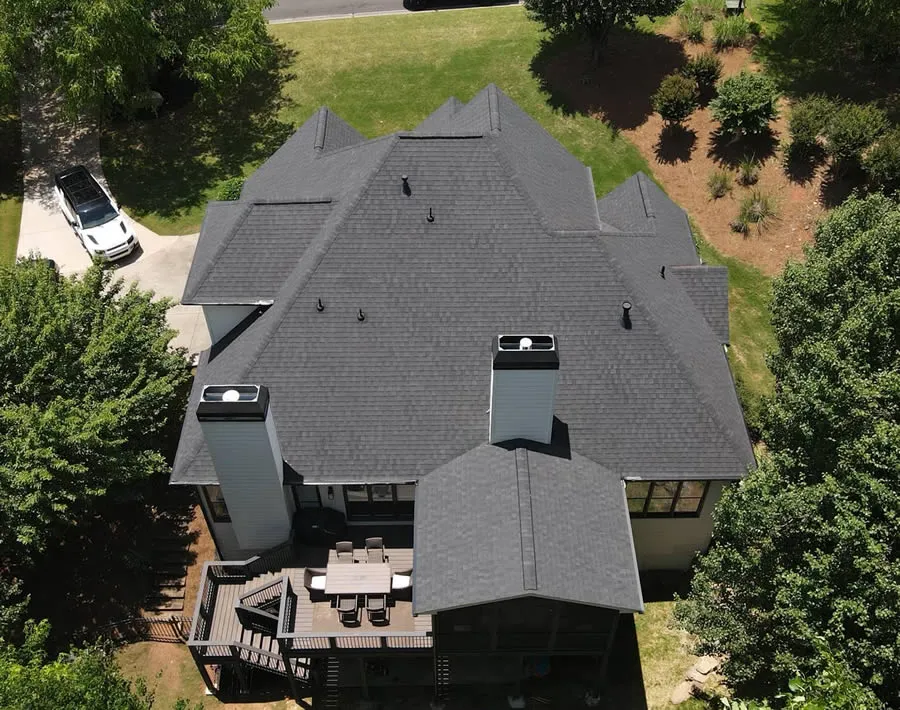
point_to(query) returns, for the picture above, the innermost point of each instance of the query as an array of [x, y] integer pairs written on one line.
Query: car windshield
[[96, 215]]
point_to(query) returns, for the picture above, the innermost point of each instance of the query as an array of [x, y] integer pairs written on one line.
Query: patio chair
[[375, 549], [348, 609], [376, 608], [344, 551], [314, 581]]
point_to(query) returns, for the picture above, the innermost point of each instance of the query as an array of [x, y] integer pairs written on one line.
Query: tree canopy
[[89, 390], [808, 546], [593, 19], [106, 53]]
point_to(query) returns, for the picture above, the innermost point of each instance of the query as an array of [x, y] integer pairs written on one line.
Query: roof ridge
[[357, 146], [321, 127], [526, 520], [493, 108]]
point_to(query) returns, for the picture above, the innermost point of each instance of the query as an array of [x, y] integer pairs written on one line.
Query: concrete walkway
[[50, 143]]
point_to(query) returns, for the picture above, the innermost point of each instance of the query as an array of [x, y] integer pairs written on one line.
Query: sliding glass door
[[380, 501]]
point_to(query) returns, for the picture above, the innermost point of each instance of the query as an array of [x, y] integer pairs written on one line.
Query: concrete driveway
[[161, 265]]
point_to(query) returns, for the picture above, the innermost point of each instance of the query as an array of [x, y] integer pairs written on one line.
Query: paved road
[[296, 9]]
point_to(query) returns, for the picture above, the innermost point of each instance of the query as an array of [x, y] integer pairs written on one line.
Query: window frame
[[392, 510], [216, 514], [672, 512]]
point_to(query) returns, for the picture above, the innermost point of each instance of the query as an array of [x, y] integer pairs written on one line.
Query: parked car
[[94, 215]]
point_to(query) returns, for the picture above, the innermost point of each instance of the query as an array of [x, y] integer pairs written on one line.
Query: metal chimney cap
[[525, 352], [233, 403]]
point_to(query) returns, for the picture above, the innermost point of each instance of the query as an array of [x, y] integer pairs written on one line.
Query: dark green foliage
[[851, 129], [702, 9], [808, 119], [882, 161], [230, 189], [746, 104], [731, 31], [808, 547], [705, 69], [103, 54], [676, 98], [593, 19], [88, 387]]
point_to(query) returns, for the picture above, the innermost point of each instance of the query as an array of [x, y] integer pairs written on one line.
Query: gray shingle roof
[[506, 522], [407, 390], [708, 288]]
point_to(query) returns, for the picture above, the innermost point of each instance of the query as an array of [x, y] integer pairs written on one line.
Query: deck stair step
[[332, 689], [442, 677], [155, 603]]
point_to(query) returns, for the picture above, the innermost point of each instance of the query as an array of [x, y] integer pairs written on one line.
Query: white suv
[[94, 215]]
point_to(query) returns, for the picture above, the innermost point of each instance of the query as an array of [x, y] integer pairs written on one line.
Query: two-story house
[[441, 339]]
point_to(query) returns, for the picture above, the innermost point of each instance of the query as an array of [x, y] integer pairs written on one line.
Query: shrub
[[732, 31], [882, 161], [748, 171], [851, 129], [691, 27], [676, 98], [807, 121], [230, 189], [745, 104], [704, 9], [757, 208], [705, 69], [719, 183]]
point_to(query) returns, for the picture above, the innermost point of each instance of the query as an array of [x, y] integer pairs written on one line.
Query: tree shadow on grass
[[807, 57], [732, 150], [801, 165], [101, 570], [166, 165], [675, 144], [620, 87]]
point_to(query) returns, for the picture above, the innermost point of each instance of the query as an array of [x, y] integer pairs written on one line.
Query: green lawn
[[381, 74], [10, 185]]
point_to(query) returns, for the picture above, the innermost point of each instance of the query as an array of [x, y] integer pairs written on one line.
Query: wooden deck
[[312, 617]]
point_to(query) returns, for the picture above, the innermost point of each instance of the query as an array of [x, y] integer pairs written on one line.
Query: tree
[[89, 391], [808, 546], [745, 104], [676, 98], [83, 679], [593, 19], [851, 129], [106, 53]]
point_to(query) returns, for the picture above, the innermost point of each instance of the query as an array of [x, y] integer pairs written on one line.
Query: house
[[442, 339]]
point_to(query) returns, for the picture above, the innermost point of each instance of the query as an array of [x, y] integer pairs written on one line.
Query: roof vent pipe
[[319, 305], [626, 314], [360, 316], [406, 189], [430, 217], [662, 271]]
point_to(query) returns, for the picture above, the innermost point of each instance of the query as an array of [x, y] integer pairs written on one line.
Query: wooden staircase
[[169, 562], [442, 678], [331, 690]]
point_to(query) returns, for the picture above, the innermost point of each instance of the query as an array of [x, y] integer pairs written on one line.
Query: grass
[[171, 674], [665, 656], [400, 69], [10, 185]]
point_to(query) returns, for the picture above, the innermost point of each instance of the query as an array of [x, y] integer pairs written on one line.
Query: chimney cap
[[525, 352], [233, 403]]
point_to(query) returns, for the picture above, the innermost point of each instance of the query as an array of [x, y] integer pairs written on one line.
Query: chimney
[[523, 387], [240, 434]]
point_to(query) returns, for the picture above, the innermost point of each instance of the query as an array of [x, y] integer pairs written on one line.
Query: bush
[[748, 171], [807, 121], [851, 129], [676, 98], [757, 208], [719, 183], [732, 31], [705, 69], [745, 104], [230, 189], [691, 27], [882, 161]]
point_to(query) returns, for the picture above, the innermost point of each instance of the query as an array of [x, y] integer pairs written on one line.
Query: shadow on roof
[[559, 445]]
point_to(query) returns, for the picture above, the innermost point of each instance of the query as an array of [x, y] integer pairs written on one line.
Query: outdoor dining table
[[360, 578]]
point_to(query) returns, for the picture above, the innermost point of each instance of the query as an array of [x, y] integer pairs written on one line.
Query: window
[[381, 500], [665, 499], [215, 501]]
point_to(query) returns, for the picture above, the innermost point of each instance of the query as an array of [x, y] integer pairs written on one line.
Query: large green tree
[[89, 391], [594, 19], [809, 545], [104, 53]]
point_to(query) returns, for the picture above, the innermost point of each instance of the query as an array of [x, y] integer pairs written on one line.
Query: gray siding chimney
[[524, 375], [240, 434]]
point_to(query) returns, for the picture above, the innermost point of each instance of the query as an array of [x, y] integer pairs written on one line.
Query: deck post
[[365, 681], [289, 671], [241, 670], [609, 642], [204, 671]]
